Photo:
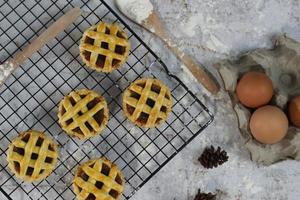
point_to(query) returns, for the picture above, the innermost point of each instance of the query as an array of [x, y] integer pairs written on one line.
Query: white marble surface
[[212, 30]]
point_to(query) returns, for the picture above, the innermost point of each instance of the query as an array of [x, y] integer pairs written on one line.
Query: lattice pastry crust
[[104, 47], [32, 156], [98, 179], [147, 102], [83, 113]]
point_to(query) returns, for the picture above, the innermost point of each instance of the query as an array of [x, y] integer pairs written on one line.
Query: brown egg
[[269, 124], [255, 89], [294, 111]]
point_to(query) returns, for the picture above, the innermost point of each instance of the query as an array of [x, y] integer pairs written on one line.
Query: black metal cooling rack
[[29, 99]]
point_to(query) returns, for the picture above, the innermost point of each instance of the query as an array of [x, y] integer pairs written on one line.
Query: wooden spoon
[[11, 65], [154, 25]]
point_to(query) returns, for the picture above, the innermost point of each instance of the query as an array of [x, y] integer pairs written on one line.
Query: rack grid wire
[[29, 100]]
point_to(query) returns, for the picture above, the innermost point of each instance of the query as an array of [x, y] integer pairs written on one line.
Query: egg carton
[[282, 65]]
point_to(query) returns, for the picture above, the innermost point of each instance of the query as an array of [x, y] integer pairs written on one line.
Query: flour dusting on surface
[[190, 25], [5, 70], [188, 74], [137, 10]]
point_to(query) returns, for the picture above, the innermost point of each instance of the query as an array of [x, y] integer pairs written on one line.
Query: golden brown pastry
[[147, 102], [83, 113], [32, 156], [104, 47], [98, 179]]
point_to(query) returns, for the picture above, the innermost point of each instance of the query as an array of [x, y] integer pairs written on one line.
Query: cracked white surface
[[212, 30]]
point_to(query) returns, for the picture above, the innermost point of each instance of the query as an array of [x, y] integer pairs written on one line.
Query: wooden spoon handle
[[11, 65], [47, 35], [196, 70], [154, 24]]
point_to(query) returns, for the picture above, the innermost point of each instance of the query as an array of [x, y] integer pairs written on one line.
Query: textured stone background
[[212, 30]]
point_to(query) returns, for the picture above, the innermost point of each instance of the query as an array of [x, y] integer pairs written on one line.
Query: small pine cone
[[211, 158], [205, 196]]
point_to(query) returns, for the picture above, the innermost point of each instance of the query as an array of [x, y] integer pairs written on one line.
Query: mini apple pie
[[98, 179], [32, 156], [147, 102], [83, 113], [104, 47]]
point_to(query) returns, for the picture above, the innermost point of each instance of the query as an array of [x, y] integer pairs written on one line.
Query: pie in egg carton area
[[282, 65]]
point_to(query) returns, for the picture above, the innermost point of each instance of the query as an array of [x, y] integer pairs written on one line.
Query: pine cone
[[211, 158], [205, 196]]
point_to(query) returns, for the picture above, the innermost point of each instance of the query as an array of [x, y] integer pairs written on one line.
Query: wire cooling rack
[[29, 99]]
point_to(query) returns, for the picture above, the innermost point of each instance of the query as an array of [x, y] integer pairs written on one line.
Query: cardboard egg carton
[[282, 65]]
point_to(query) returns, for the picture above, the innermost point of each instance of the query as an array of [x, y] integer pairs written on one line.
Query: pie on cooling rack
[[104, 47], [83, 113], [98, 179], [147, 102], [32, 156]]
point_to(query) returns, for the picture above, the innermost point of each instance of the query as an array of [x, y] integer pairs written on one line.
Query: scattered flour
[[216, 44], [189, 76], [5, 70], [191, 25], [250, 185], [137, 10]]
